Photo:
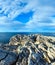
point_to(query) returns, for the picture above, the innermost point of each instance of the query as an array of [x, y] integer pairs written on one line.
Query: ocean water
[[5, 36]]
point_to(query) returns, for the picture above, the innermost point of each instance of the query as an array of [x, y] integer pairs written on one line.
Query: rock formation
[[33, 49]]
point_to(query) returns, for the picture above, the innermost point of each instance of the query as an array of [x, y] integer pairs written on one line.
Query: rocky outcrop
[[7, 58], [31, 49]]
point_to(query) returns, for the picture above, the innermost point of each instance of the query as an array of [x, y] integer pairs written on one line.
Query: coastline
[[28, 49], [5, 36]]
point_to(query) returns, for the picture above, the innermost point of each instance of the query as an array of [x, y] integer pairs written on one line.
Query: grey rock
[[7, 58], [2, 54]]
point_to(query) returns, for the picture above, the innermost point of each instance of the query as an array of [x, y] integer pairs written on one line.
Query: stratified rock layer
[[29, 50]]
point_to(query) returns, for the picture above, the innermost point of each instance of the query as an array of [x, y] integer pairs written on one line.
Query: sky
[[27, 15]]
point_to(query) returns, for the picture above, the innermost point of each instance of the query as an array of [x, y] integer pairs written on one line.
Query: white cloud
[[3, 20], [11, 8], [41, 8], [42, 12]]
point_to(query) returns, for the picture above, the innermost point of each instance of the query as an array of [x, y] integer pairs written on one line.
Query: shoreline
[[28, 49]]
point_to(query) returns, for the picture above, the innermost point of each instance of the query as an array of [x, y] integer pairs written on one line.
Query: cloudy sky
[[27, 15]]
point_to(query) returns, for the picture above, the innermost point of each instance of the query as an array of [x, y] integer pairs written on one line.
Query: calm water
[[5, 37]]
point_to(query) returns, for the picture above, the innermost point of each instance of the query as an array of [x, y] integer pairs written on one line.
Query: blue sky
[[27, 15]]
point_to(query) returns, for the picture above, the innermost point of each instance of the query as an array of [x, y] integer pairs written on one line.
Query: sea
[[5, 36]]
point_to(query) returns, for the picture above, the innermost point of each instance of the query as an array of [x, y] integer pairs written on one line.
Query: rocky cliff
[[31, 49]]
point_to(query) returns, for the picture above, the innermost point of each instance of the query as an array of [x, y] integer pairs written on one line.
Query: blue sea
[[5, 36]]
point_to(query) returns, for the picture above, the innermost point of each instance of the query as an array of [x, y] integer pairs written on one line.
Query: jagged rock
[[51, 53], [33, 49], [43, 47], [23, 56], [19, 39], [7, 58]]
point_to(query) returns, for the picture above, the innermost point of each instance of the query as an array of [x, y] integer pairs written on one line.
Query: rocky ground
[[32, 49]]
